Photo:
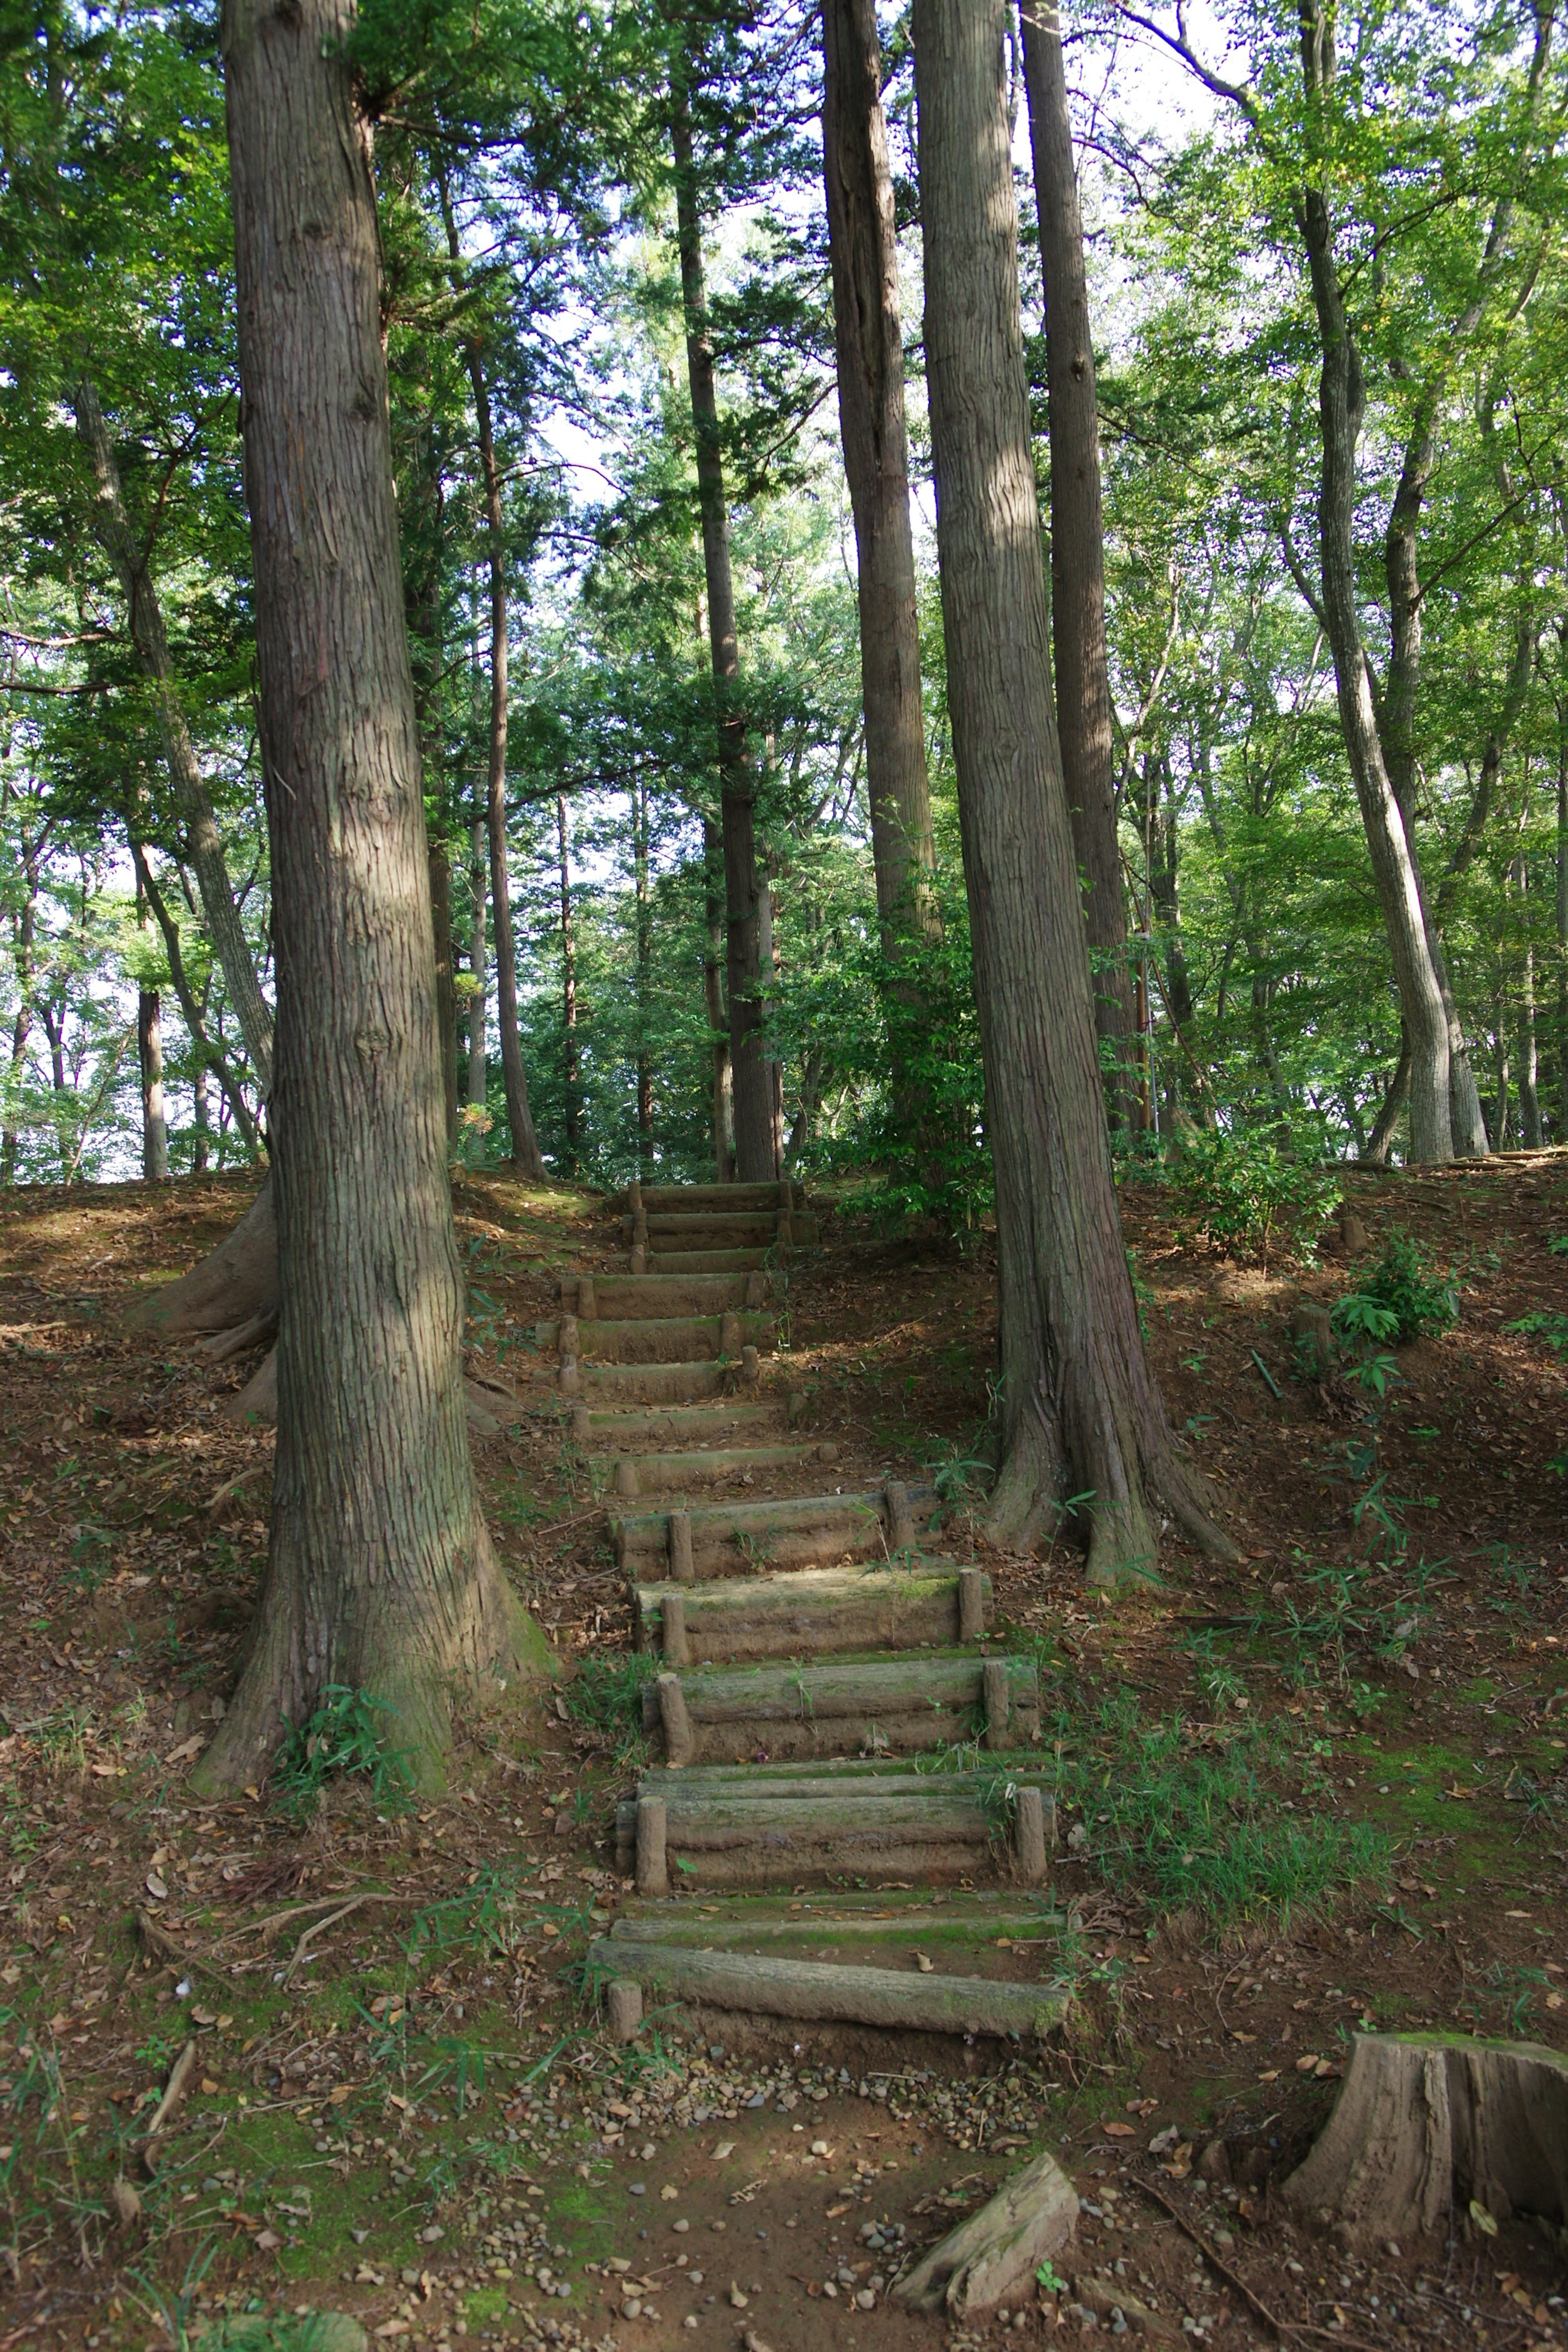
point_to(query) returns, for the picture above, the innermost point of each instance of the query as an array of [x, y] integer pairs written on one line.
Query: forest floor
[[1324, 1786]]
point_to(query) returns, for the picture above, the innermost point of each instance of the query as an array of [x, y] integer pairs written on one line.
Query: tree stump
[[1313, 1336], [1425, 2127]]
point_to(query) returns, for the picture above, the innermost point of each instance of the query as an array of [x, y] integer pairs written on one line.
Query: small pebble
[[681, 2228], [634, 2189]]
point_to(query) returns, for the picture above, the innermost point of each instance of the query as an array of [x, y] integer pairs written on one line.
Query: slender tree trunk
[[445, 993], [200, 1120], [112, 527], [525, 1150], [150, 1054], [1394, 1102], [570, 1075], [1081, 1417], [24, 934], [754, 1159], [1077, 549], [1561, 910], [479, 1064], [863, 245], [645, 975], [768, 965], [380, 1574], [713, 993], [1342, 404], [195, 1019]]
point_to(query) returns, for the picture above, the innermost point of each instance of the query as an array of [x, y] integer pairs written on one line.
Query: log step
[[678, 1426], [788, 1531], [881, 1705], [819, 1992], [627, 1298], [811, 1612], [976, 1930], [716, 1229], [749, 1825], [675, 1384], [653, 1473], [661, 1199], [656, 1339], [706, 1261]]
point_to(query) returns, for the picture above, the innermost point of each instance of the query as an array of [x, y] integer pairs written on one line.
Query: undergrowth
[[346, 1738], [1191, 1819]]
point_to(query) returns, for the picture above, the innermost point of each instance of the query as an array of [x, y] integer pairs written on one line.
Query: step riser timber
[[654, 1474], [814, 1992], [934, 1828], [880, 1707], [975, 1932], [793, 1531], [756, 1232], [809, 1614], [659, 1200], [685, 1424], [629, 1298], [664, 1262], [660, 1340], [657, 1383]]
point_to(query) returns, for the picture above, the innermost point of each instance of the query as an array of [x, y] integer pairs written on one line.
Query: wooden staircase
[[832, 1719]]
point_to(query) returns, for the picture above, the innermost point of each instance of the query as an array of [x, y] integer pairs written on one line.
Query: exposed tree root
[[234, 1288], [490, 1410]]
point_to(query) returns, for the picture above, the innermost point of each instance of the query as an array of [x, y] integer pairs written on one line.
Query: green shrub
[[1404, 1285], [345, 1738], [1249, 1196]]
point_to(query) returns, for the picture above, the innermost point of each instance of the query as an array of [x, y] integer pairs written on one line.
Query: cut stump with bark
[[993, 2256], [1426, 2128]]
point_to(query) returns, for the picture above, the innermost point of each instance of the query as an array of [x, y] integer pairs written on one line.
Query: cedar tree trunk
[[756, 1162], [150, 1053], [1081, 1417], [446, 993], [571, 1115], [479, 1064], [713, 996], [868, 337], [379, 1573], [1078, 554]]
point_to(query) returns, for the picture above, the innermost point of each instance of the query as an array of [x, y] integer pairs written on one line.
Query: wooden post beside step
[[971, 1605], [566, 1340], [672, 1641], [749, 1366], [729, 1335], [900, 1522], [1028, 1835], [571, 1378], [581, 1429], [679, 1745], [756, 1290], [680, 1566], [587, 1306], [639, 1257], [623, 2000], [626, 1476], [997, 1685], [653, 1864]]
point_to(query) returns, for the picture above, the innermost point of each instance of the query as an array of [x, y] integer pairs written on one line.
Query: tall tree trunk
[[479, 1043], [645, 975], [713, 993], [754, 1159], [1394, 1102], [150, 1054], [768, 965], [571, 1112], [446, 993], [380, 1574], [216, 1061], [525, 1150], [1529, 1049], [1562, 912], [863, 245], [1342, 404], [1078, 550], [112, 528], [1082, 1425], [200, 1120]]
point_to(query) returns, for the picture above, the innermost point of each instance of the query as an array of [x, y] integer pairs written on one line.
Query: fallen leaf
[[669, 2192], [834, 2211], [725, 2147], [209, 2086], [1144, 2107], [155, 1887], [738, 2301], [267, 2241], [1119, 2131], [392, 2328], [187, 1749], [924, 1963], [1482, 2219], [1309, 2063]]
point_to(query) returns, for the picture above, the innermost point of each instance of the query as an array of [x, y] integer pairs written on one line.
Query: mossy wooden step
[[881, 1705], [655, 1474], [811, 1612], [632, 1297], [683, 1199], [655, 1383], [758, 1825], [679, 1426], [718, 1229], [975, 1931], [707, 1261], [656, 1339], [906, 1999], [785, 1531]]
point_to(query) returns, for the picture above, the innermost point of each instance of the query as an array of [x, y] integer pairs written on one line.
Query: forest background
[[554, 583]]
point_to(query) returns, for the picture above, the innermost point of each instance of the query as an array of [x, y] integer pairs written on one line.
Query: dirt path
[[1271, 1827]]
